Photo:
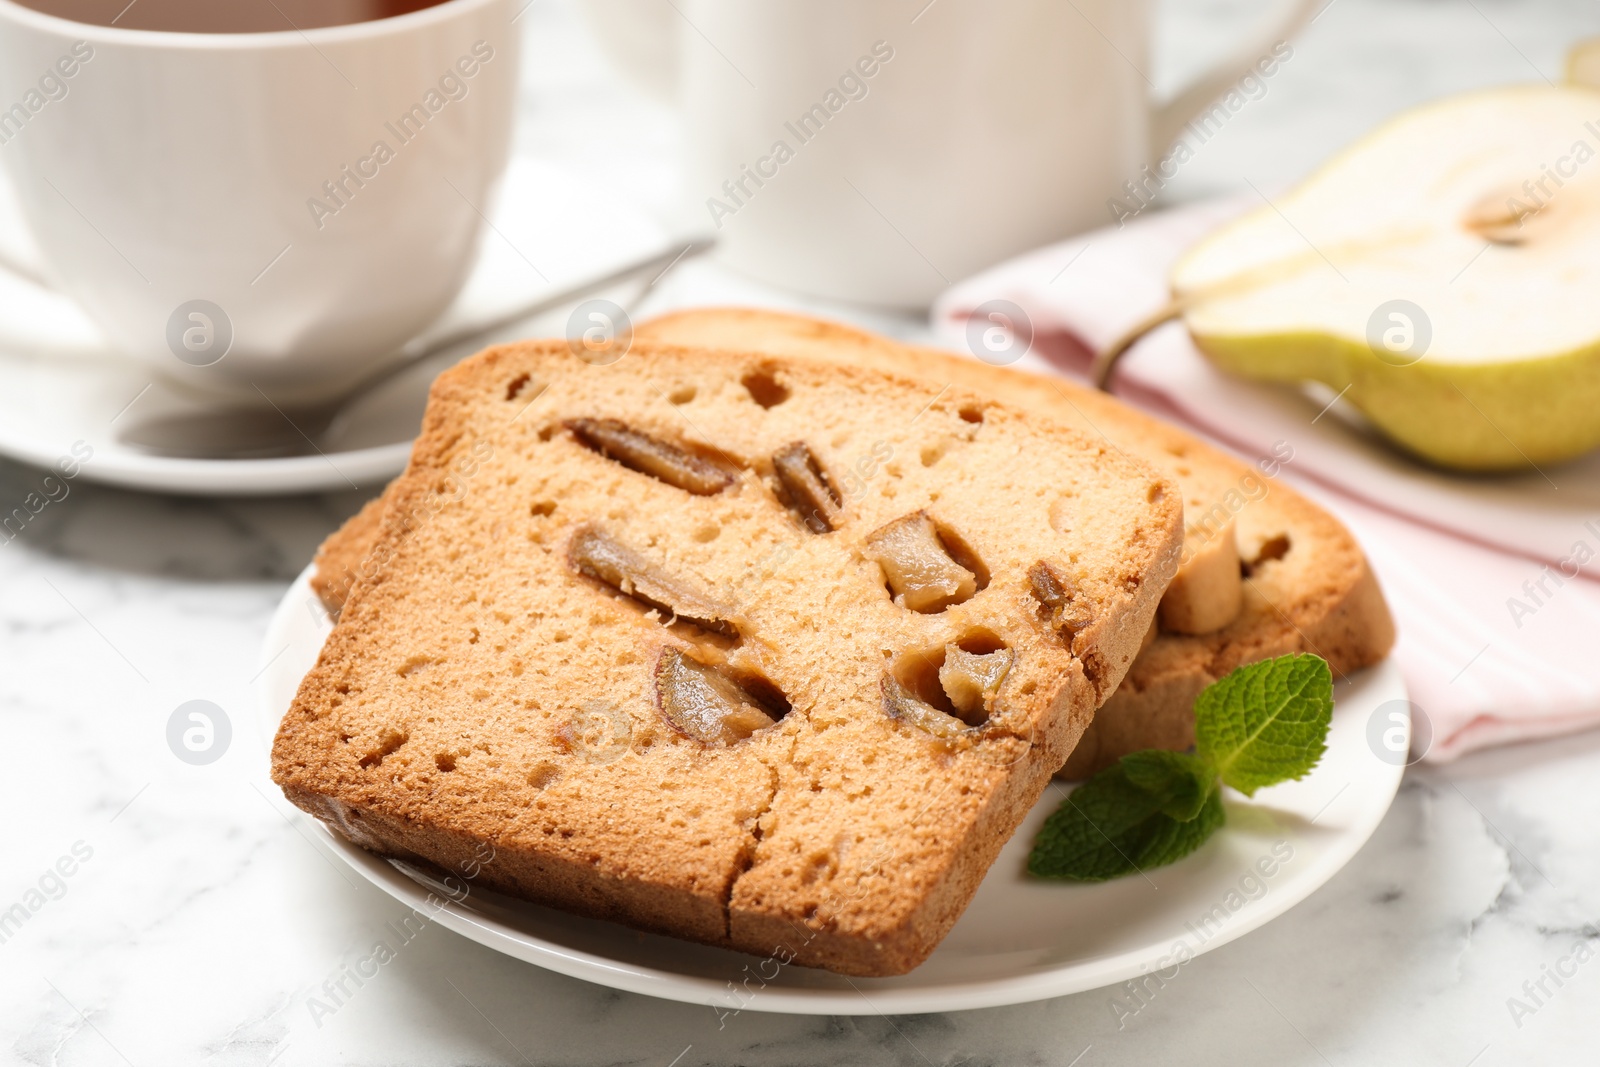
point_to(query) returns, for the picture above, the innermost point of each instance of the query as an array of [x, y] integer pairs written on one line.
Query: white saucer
[[58, 387], [1020, 940]]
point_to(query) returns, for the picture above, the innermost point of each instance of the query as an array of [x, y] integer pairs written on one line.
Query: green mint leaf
[[1262, 724], [1097, 830], [1174, 838], [1111, 826], [1181, 781], [1267, 722]]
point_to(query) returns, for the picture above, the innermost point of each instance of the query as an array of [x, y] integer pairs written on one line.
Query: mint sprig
[[1266, 723], [1183, 782], [1262, 724]]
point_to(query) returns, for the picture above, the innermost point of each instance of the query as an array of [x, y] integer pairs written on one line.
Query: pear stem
[[1106, 361]]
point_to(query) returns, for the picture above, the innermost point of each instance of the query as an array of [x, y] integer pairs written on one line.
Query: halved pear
[[1445, 271]]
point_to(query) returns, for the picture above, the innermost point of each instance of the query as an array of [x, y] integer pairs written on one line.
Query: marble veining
[[199, 925]]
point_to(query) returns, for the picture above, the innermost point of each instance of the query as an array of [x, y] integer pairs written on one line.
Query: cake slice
[[768, 653], [1265, 572]]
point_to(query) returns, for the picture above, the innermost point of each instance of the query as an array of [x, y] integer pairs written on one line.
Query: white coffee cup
[[260, 213], [921, 140]]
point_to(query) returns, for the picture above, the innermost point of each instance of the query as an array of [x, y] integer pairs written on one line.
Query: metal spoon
[[275, 432]]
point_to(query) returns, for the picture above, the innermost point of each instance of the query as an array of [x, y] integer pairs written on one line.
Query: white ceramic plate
[[58, 386], [1020, 940]]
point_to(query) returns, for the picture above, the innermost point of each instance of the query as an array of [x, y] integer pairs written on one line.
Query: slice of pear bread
[[767, 653], [1265, 571]]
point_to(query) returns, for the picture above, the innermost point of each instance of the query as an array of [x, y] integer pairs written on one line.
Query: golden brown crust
[[443, 713], [1321, 597], [340, 558]]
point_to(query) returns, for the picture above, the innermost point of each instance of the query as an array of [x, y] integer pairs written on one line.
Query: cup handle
[[1171, 117]]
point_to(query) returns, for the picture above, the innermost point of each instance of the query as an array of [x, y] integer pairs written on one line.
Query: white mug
[[880, 150], [260, 213]]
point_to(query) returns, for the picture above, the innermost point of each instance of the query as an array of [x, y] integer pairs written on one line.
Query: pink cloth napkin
[[1496, 642]]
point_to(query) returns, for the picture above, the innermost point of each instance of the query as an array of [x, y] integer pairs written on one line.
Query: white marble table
[[197, 922]]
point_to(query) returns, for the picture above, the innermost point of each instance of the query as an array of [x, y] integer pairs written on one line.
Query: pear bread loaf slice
[[1265, 571], [768, 653]]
